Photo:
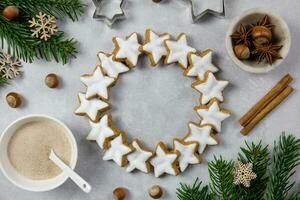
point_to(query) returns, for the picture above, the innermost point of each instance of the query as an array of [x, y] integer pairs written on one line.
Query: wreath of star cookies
[[94, 103]]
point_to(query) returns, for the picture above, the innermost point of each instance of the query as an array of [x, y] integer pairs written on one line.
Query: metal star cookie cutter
[[208, 10], [109, 11]]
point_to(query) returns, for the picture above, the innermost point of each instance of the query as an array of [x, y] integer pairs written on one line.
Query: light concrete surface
[[153, 104]]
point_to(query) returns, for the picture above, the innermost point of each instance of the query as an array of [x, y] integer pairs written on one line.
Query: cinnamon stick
[[273, 93], [273, 104]]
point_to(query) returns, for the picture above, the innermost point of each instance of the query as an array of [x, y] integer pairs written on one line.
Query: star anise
[[267, 52], [242, 36], [263, 22]]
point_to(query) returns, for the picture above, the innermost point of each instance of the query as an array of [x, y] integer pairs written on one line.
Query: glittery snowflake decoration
[[243, 174], [43, 26], [9, 66]]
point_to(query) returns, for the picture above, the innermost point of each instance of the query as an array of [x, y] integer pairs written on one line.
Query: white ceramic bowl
[[281, 34], [21, 181]]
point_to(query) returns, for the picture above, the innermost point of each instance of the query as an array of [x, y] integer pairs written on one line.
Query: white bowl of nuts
[[258, 40]]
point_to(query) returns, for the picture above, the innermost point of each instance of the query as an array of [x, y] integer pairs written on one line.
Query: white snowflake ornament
[[9, 66], [43, 26], [243, 174]]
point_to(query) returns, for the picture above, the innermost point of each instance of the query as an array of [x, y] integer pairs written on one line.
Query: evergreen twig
[[259, 157], [193, 192], [221, 174], [286, 157], [16, 34]]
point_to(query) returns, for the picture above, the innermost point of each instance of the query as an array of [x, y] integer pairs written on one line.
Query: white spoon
[[70, 173]]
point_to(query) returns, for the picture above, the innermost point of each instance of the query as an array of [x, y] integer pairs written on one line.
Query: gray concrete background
[[152, 103]]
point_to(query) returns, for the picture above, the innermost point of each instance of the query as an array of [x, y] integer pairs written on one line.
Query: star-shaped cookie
[[210, 88], [111, 67], [212, 114], [102, 131], [92, 107], [178, 51], [139, 158], [118, 150], [201, 134], [200, 64], [127, 50], [154, 46], [188, 153], [164, 161], [97, 84]]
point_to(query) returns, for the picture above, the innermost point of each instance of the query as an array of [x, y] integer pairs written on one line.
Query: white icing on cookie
[[202, 135], [101, 131], [91, 107], [97, 84], [210, 88], [155, 46], [164, 161], [188, 153], [117, 150], [111, 68], [200, 64], [212, 115], [139, 159], [178, 51], [128, 49]]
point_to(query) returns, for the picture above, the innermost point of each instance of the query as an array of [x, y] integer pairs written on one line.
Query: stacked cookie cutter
[[114, 16], [207, 11], [99, 14]]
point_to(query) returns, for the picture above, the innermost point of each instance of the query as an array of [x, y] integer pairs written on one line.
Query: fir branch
[[193, 192], [58, 8], [16, 35], [221, 174], [286, 157], [259, 157], [57, 48]]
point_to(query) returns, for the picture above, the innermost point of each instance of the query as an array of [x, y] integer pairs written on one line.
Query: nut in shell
[[242, 51], [10, 13], [155, 192], [52, 80], [119, 193], [13, 100], [261, 34]]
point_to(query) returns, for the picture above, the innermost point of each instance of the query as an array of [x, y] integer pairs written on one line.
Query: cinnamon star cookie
[[164, 161], [212, 114], [201, 134], [118, 150], [127, 50], [188, 153], [178, 51], [210, 88], [92, 107], [154, 46]]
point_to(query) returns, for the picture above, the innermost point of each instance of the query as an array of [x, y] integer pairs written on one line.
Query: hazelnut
[[261, 34], [13, 100], [155, 192], [119, 193], [242, 51], [52, 81], [10, 13]]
